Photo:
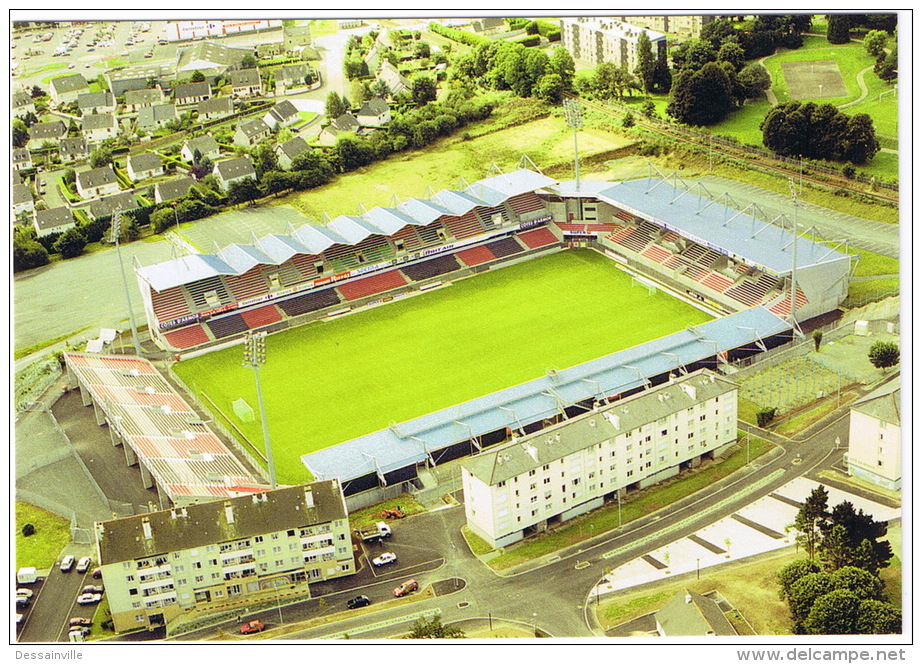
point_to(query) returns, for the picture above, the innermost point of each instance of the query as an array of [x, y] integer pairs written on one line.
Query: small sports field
[[329, 382]]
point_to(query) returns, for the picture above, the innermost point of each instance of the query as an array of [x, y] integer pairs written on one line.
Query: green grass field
[[326, 383]]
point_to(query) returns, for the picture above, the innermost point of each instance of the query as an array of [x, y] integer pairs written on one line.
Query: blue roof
[[411, 441]]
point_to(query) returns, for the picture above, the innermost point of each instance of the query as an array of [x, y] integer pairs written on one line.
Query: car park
[[86, 561], [384, 559], [358, 602], [253, 627], [80, 622], [406, 588], [67, 563], [89, 598]]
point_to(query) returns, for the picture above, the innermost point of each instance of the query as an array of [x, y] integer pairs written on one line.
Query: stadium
[[579, 293]]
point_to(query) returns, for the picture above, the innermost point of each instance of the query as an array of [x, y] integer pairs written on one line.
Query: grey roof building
[[207, 146], [103, 207], [245, 78], [210, 58], [64, 88], [91, 102], [283, 113], [55, 220], [172, 189], [22, 195], [139, 164], [73, 149], [134, 77], [191, 93], [22, 158], [96, 177], [215, 107], [22, 103], [293, 74], [234, 169], [158, 115], [140, 98], [288, 150], [692, 614], [47, 131]]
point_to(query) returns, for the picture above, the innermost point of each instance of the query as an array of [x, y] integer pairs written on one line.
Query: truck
[[26, 575], [376, 533]]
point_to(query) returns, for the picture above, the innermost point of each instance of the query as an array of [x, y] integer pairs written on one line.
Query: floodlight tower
[[116, 232], [794, 256], [574, 115], [254, 356]]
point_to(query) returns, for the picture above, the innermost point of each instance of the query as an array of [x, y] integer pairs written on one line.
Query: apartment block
[[874, 438], [593, 40]]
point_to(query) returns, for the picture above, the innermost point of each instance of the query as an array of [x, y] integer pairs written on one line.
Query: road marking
[[582, 565]]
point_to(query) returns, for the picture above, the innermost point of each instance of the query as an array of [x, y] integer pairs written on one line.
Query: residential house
[[374, 113], [374, 56], [136, 77], [22, 159], [97, 128], [187, 94], [594, 39], [234, 170], [344, 123], [172, 189], [296, 37], [65, 89], [215, 108], [223, 555], [17, 178], [151, 118], [106, 207], [875, 437], [97, 182], [395, 81], [692, 614], [22, 104], [293, 75], [487, 24], [73, 149], [566, 469], [206, 146], [144, 165], [246, 82], [55, 220], [270, 49], [251, 132], [288, 150], [135, 100], [92, 103], [45, 132], [23, 204], [210, 58], [283, 114], [347, 23]]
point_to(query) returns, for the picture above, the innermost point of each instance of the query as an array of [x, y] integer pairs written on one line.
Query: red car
[[252, 627], [406, 588]]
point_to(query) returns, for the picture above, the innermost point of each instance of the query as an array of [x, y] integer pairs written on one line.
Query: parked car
[[86, 561], [252, 627], [358, 602], [67, 563], [92, 589], [22, 600], [89, 598], [84, 631], [97, 572], [80, 622], [24, 592], [384, 559], [406, 588]]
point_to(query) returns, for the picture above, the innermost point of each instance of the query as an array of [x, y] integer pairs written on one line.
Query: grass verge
[[52, 533], [34, 348]]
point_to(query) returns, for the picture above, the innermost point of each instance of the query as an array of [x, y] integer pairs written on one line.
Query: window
[[534, 499], [663, 432], [199, 579], [501, 484], [259, 538], [181, 582], [132, 591], [399, 245], [196, 565], [546, 467], [291, 533], [702, 418], [318, 267], [532, 486], [547, 480], [691, 435], [130, 577], [274, 535], [531, 472]]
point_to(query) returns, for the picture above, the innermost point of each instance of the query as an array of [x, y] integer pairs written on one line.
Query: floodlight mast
[[574, 115], [254, 356], [116, 232], [794, 257]]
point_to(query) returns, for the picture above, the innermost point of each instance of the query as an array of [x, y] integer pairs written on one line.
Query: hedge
[[454, 34], [550, 31], [529, 40]]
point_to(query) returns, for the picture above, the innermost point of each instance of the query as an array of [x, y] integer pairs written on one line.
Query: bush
[[765, 416], [530, 40], [28, 530], [454, 34]]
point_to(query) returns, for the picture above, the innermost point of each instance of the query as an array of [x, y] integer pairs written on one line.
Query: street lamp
[[254, 357], [534, 623], [116, 232]]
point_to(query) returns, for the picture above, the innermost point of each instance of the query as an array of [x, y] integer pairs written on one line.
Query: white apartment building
[[686, 27], [224, 555], [572, 467], [874, 440], [594, 40]]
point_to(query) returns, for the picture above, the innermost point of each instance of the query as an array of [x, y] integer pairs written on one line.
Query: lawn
[[851, 58], [52, 533], [333, 381]]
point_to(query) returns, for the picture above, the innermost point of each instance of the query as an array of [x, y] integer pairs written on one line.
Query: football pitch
[[329, 382]]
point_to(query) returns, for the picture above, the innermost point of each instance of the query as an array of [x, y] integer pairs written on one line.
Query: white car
[[24, 592], [67, 563], [89, 598], [384, 559], [84, 563]]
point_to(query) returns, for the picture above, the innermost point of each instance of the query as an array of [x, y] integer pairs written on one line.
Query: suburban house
[[22, 104], [23, 203], [144, 165], [214, 108], [270, 49], [246, 82], [186, 94], [223, 556], [374, 113], [487, 24], [135, 100], [395, 81], [22, 159], [283, 114], [97, 128], [44, 132], [251, 132], [97, 182], [105, 207], [135, 77], [875, 437], [520, 487], [65, 89], [172, 189], [293, 75], [374, 56], [288, 150], [206, 146], [151, 118], [234, 170], [210, 58], [55, 220], [296, 37], [692, 614], [73, 149], [343, 124], [91, 103], [17, 178]]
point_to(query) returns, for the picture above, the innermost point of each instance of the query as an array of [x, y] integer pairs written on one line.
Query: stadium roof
[[712, 224], [311, 239], [410, 442]]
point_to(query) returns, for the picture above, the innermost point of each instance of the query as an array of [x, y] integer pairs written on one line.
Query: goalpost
[[643, 283]]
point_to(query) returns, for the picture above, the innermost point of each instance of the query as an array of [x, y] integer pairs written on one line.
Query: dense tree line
[[524, 71], [819, 131]]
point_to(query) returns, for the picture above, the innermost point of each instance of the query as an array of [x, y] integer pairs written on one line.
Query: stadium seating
[[486, 216], [305, 264], [199, 289], [475, 255], [250, 284], [308, 302], [408, 235], [377, 283], [256, 318], [431, 268], [429, 235], [187, 337], [782, 307], [540, 237], [169, 304], [227, 326], [716, 282], [464, 226], [747, 291], [525, 203], [503, 247], [656, 253], [624, 215], [341, 257]]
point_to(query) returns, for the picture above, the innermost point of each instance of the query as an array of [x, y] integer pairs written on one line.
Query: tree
[[860, 139], [248, 61], [819, 131], [808, 519], [423, 90], [874, 42], [28, 530], [276, 182], [70, 244], [834, 549], [884, 354], [876, 617], [197, 77], [803, 595], [352, 152], [379, 89], [336, 105], [549, 89], [648, 109], [837, 28], [27, 253], [264, 159], [434, 629], [836, 612], [794, 572], [733, 53], [628, 121], [817, 339], [561, 63], [862, 583], [243, 191], [646, 62], [422, 50], [100, 157], [857, 527], [886, 66], [702, 97], [694, 54], [20, 133]]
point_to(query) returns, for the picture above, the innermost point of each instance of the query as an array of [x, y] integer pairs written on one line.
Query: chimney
[[690, 390], [309, 497], [229, 512], [145, 526]]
